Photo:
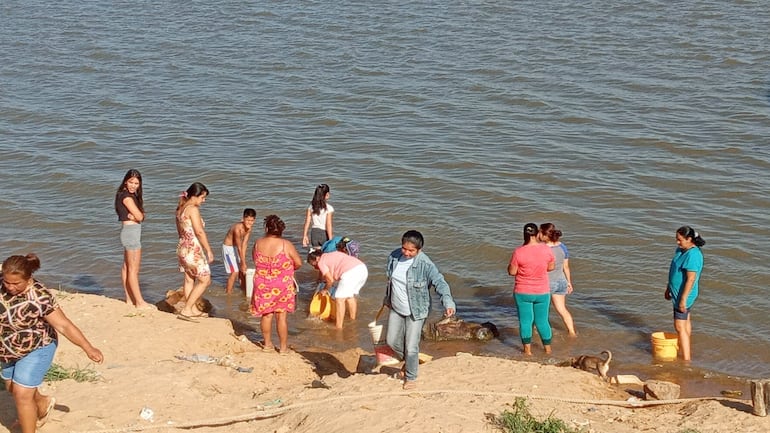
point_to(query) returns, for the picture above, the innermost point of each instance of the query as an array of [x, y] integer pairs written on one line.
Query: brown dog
[[593, 363]]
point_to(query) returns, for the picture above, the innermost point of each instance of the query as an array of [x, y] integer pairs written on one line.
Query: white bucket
[[375, 331], [249, 282]]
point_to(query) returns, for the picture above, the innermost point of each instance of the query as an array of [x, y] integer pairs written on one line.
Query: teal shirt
[[684, 261]]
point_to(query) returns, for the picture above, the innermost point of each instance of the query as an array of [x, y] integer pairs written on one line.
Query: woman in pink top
[[342, 266], [529, 265]]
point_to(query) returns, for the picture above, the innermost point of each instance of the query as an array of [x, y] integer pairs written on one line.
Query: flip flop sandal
[[44, 419]]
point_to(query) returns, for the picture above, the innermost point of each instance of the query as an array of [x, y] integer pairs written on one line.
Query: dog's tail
[[609, 356]]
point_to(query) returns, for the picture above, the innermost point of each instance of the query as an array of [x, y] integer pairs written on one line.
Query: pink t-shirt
[[532, 262], [337, 263]]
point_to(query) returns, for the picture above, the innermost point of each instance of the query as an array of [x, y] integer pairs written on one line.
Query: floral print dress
[[274, 286], [192, 258]]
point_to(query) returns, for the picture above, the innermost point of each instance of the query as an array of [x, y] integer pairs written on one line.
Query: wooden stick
[[760, 396]]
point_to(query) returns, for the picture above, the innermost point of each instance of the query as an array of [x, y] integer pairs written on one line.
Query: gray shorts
[[131, 236], [317, 237]]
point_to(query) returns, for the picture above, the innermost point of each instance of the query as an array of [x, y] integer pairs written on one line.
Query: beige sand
[[455, 394]]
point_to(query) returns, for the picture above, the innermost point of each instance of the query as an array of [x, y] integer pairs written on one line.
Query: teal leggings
[[534, 309]]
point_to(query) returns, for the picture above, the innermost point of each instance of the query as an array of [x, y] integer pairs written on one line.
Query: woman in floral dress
[[275, 260], [190, 250]]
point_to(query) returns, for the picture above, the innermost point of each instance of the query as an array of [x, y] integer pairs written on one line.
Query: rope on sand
[[274, 412]]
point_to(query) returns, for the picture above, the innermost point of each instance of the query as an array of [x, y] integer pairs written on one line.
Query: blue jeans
[[403, 337]]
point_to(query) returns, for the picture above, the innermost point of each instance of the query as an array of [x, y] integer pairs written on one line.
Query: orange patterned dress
[[274, 286]]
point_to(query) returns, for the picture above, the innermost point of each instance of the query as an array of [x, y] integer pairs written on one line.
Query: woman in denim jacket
[[411, 274]]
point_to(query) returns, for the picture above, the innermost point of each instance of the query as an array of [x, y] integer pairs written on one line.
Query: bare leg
[[133, 261], [547, 348], [352, 307], [242, 280], [560, 304], [190, 308], [527, 349], [282, 326], [266, 325], [189, 283], [124, 278], [340, 314], [231, 282], [684, 331], [30, 406]]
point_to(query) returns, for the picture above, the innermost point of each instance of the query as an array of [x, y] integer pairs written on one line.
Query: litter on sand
[[225, 361]]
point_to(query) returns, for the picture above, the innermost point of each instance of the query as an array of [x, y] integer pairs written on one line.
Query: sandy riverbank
[[312, 391]]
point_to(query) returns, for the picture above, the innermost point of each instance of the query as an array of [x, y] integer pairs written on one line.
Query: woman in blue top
[[411, 274], [682, 289]]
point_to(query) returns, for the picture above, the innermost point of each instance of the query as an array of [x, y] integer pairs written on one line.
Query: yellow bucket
[[665, 345], [322, 306]]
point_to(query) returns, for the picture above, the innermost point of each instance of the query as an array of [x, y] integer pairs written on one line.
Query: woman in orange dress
[[275, 260]]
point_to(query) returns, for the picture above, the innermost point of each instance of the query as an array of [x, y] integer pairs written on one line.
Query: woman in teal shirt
[[682, 289]]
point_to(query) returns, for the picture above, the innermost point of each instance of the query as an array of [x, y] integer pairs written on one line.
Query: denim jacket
[[420, 277]]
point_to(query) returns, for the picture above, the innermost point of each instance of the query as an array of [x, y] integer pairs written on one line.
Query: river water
[[618, 122]]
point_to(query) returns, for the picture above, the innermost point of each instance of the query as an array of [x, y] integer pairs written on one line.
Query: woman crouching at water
[[30, 321]]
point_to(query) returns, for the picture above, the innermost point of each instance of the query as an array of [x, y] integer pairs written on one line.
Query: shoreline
[[147, 366]]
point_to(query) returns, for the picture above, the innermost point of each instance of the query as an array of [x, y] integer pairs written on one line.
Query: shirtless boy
[[234, 249]]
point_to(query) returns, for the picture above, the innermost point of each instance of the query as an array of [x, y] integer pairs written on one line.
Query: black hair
[[249, 212], [689, 232], [138, 195], [314, 255], [530, 229], [197, 189], [342, 245], [274, 225], [413, 237], [319, 198]]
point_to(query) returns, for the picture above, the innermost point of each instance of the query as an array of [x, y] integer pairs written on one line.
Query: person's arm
[[134, 214], [552, 262], [568, 276], [685, 293], [328, 282], [200, 233], [442, 288], [329, 230], [305, 240], [244, 242], [293, 254], [65, 327], [512, 269]]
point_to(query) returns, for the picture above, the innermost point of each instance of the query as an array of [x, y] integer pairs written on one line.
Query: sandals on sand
[[44, 419], [192, 318], [266, 348]]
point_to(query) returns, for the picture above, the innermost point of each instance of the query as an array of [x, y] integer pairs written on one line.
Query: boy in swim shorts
[[234, 249]]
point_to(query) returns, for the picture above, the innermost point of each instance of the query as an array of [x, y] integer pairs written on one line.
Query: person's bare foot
[[547, 348]]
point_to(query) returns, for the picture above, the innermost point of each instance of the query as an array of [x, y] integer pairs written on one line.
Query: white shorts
[[230, 259], [351, 282]]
